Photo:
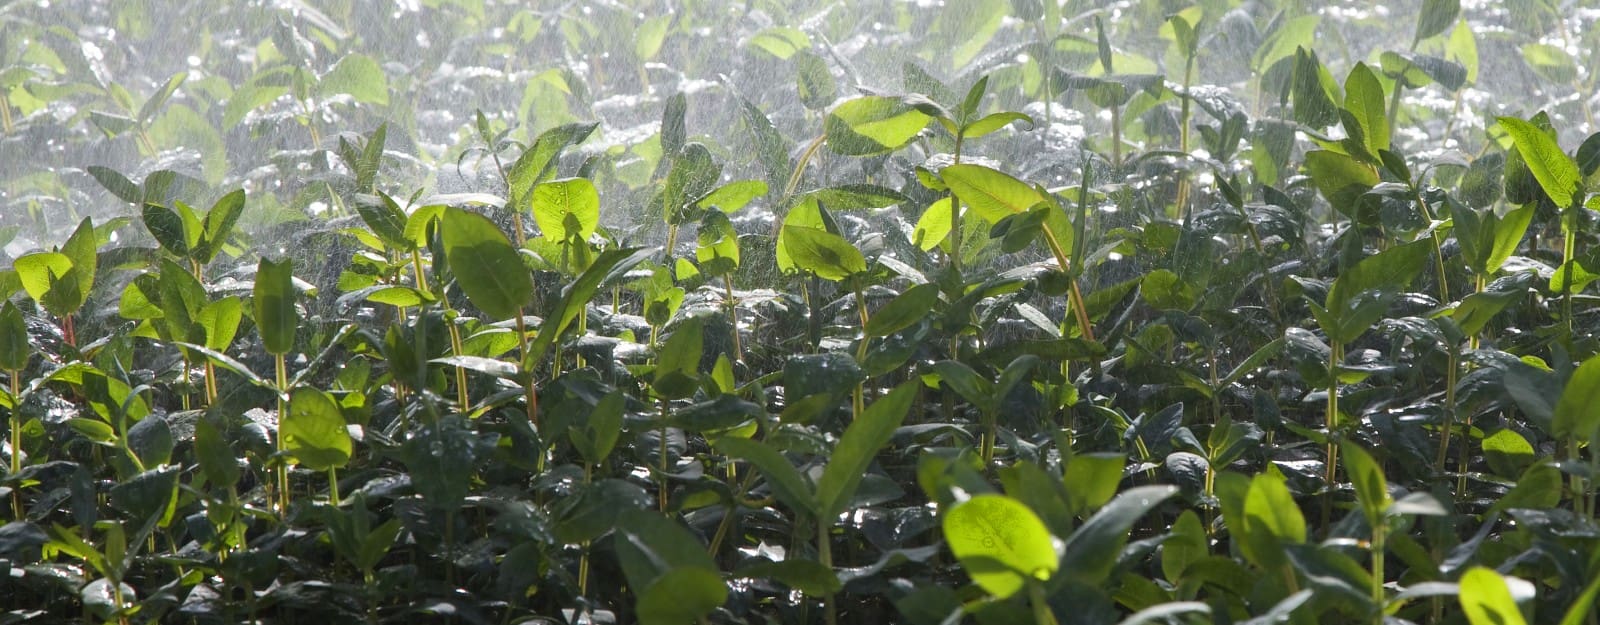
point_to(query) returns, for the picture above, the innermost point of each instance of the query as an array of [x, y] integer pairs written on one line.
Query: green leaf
[[786, 483], [538, 163], [858, 446], [823, 253], [14, 346], [1364, 100], [39, 269], [992, 194], [873, 125], [976, 389], [1091, 552], [1294, 33], [1360, 296], [1271, 518], [1436, 16], [817, 88], [358, 76], [607, 267], [1462, 47], [903, 311], [558, 201], [1577, 414], [1550, 62], [1313, 100], [780, 41], [385, 218], [485, 264], [651, 34], [682, 595], [1507, 453], [118, 184], [994, 121], [216, 460], [807, 576], [733, 196], [1556, 172], [314, 431], [1091, 480], [1341, 179], [934, 226], [1372, 490], [718, 249], [273, 300], [1001, 543], [1486, 599], [678, 362], [694, 175], [218, 225], [220, 320]]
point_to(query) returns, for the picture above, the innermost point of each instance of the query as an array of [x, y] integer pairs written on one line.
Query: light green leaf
[[558, 204], [1486, 599], [314, 430], [1001, 543], [1364, 99], [273, 300], [358, 76], [992, 194], [818, 251], [1556, 172], [873, 125]]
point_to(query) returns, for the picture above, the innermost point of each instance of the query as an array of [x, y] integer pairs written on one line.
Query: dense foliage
[[648, 311]]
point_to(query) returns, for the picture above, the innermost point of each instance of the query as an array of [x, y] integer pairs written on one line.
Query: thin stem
[[283, 410], [661, 495], [825, 556], [733, 316], [6, 122], [333, 487], [16, 446], [1074, 294], [955, 214], [1042, 614], [858, 399], [532, 390], [1331, 471], [1449, 414], [1379, 537]]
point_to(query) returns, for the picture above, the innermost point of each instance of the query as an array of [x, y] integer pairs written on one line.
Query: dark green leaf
[[858, 446], [275, 314]]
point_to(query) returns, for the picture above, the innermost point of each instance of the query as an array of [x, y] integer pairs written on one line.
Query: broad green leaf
[[1372, 490], [1364, 99], [1341, 179], [1577, 414], [858, 446], [558, 204], [1486, 598], [780, 41], [994, 121], [823, 253], [1507, 453], [1462, 47], [1091, 480], [974, 388], [934, 226], [694, 175], [1294, 33], [1000, 542], [857, 196], [1091, 551], [118, 184], [816, 87], [992, 194], [14, 346], [678, 362], [682, 595], [1550, 62], [903, 311], [786, 483], [218, 226], [314, 431], [718, 248], [651, 34], [358, 76], [220, 320], [38, 270], [216, 460], [273, 300], [608, 267], [1360, 296], [1436, 16], [733, 196], [1271, 518], [485, 264], [1556, 172], [537, 163], [873, 125], [1313, 100]]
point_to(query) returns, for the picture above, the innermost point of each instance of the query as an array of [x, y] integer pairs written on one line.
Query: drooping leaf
[[314, 430], [872, 125], [858, 446], [273, 300], [485, 264]]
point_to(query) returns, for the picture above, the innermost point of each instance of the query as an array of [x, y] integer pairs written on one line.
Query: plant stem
[[1331, 471], [733, 315], [16, 444], [858, 399], [1116, 137], [6, 122], [825, 557], [1042, 615], [955, 214], [333, 487], [1379, 538], [532, 391], [1449, 414], [283, 411], [661, 495], [1568, 250], [1074, 295]]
